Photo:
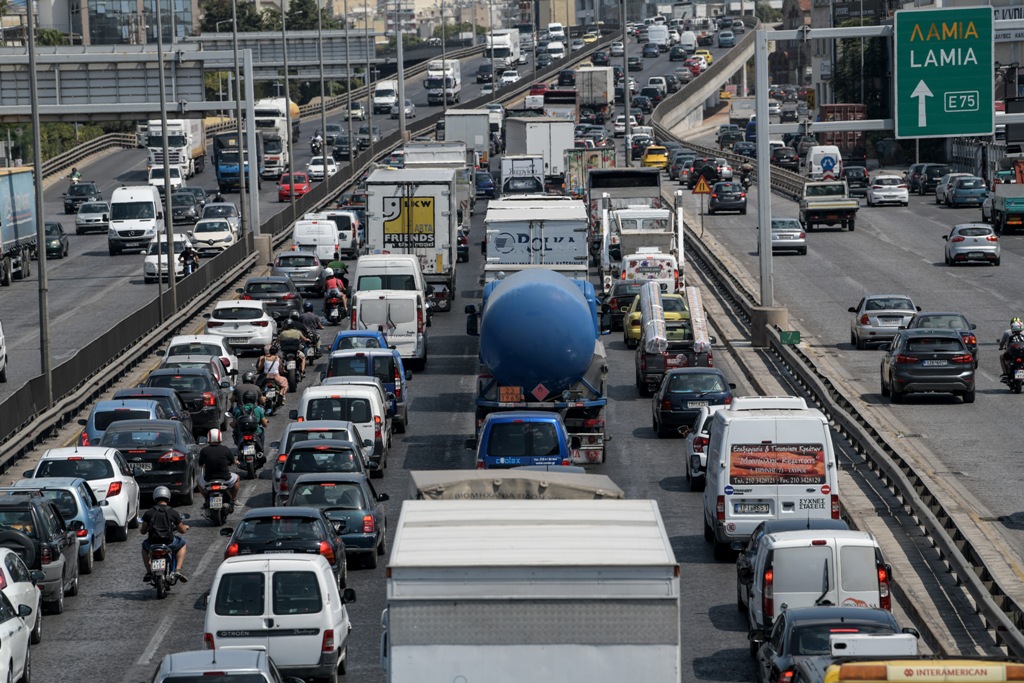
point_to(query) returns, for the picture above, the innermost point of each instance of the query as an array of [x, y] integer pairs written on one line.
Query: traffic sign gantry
[[944, 72]]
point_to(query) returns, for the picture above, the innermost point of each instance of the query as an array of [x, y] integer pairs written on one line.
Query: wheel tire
[[37, 630], [73, 591], [118, 534], [189, 497], [803, 252], [709, 533], [885, 390], [85, 563], [968, 396], [739, 600], [26, 676], [250, 470], [861, 345], [370, 561], [133, 520], [851, 225], [400, 427], [101, 553], [57, 606], [161, 587], [722, 552], [895, 396], [293, 383], [696, 483], [996, 262]]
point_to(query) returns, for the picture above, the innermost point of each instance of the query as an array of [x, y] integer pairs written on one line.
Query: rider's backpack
[[247, 421]]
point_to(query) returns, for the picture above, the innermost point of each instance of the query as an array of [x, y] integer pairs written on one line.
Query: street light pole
[[401, 70], [348, 85], [625, 80], [444, 64], [242, 210], [288, 108], [323, 98], [172, 282], [494, 71], [368, 79]]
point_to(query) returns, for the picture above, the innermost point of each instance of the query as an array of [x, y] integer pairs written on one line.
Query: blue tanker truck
[[540, 349]]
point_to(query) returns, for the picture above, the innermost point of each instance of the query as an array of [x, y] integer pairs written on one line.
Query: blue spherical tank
[[537, 329]]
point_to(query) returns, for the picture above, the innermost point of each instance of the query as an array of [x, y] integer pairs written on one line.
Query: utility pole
[[401, 71], [625, 80], [168, 212]]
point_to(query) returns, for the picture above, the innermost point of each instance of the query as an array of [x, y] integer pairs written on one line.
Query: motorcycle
[[316, 147], [250, 446], [1014, 377], [440, 299], [291, 364], [189, 266], [219, 502], [163, 566], [272, 398], [74, 178], [333, 309], [747, 181]]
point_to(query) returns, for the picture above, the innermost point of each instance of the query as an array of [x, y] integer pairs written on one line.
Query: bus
[[925, 671]]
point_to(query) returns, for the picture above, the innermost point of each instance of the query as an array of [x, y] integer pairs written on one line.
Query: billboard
[[408, 222], [774, 464]]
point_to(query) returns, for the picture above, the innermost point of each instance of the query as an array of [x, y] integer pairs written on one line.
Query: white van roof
[[387, 260], [865, 645], [768, 402], [248, 563], [803, 537]]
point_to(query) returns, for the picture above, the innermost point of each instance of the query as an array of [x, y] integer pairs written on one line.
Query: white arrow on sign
[[921, 92]]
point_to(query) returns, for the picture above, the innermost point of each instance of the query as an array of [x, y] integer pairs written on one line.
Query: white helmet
[[214, 436], [328, 272]]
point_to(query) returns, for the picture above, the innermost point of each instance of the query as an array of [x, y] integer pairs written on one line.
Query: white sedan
[[619, 127], [203, 345], [321, 167], [888, 189], [155, 265], [244, 322], [410, 110], [212, 235], [617, 49], [509, 76]]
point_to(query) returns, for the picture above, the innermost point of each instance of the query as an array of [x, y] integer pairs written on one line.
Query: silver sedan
[[878, 317], [410, 110], [787, 235], [972, 243]]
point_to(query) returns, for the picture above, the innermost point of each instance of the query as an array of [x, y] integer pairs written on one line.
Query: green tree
[[302, 15], [50, 36], [215, 11], [767, 14], [864, 82]]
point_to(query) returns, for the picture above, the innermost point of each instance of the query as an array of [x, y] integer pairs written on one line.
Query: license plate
[[889, 321], [237, 340], [934, 363], [696, 404], [1018, 374], [145, 466], [158, 565], [975, 255], [750, 508], [271, 393], [334, 311], [248, 449], [216, 503], [291, 365]]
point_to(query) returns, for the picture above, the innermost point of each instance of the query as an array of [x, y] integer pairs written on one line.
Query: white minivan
[[350, 237], [385, 94], [556, 31], [403, 317], [136, 217], [390, 271], [288, 606], [317, 233], [772, 461], [823, 161], [359, 404]]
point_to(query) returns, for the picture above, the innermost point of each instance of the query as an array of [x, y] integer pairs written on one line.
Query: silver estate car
[[878, 317], [302, 268], [92, 216]]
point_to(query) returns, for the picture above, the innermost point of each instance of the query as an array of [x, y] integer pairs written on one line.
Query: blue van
[[750, 134], [359, 339], [521, 438], [384, 364]]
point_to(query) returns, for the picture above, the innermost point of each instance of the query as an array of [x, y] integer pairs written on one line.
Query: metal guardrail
[[85, 150]]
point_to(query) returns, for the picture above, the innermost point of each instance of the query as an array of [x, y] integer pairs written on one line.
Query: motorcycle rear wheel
[[161, 587], [250, 469]]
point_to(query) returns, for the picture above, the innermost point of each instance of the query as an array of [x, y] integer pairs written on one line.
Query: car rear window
[[137, 439], [400, 281], [297, 261], [65, 501], [329, 459], [105, 418], [194, 349], [935, 344], [356, 342], [329, 495], [889, 305], [237, 313], [815, 640], [792, 566], [89, 470], [529, 439], [296, 593], [241, 594], [225, 677], [297, 435], [280, 526], [886, 182], [18, 520], [267, 288], [953, 322], [695, 383], [971, 184], [352, 409], [858, 568], [195, 383]]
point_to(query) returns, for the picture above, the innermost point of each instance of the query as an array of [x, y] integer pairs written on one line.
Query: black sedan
[[354, 508], [302, 530], [683, 392], [651, 50], [786, 157], [57, 244], [642, 103], [162, 452], [806, 631], [727, 196], [678, 53], [601, 58], [620, 298], [277, 292], [635, 63], [199, 391], [745, 149], [948, 320]]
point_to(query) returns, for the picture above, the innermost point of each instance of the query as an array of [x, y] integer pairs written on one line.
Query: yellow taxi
[[655, 157], [724, 94], [591, 38], [675, 309], [706, 54]]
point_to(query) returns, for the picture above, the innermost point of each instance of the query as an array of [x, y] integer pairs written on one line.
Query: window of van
[[399, 281], [132, 211], [383, 367], [528, 439], [858, 568], [241, 594], [342, 408], [296, 593], [389, 313], [789, 569]]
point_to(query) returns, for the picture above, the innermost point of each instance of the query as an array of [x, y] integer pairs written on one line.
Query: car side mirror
[[472, 325], [83, 422], [226, 531], [918, 308], [24, 611], [105, 218], [348, 595], [239, 291], [367, 443], [756, 636], [911, 631], [137, 471], [293, 415], [945, 238], [973, 326], [28, 474], [684, 431], [408, 375], [738, 546], [103, 503], [732, 385], [852, 309], [471, 444], [225, 384], [381, 497], [202, 441], [36, 576]]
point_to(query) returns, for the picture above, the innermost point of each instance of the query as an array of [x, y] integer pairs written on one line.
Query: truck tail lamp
[[419, 320], [884, 596], [768, 597], [720, 509], [835, 506]]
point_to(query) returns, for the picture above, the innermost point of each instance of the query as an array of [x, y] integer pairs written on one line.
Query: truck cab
[[522, 438]]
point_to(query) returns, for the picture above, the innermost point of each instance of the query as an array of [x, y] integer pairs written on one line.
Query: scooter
[[250, 448], [1014, 377], [315, 148], [333, 309], [219, 502], [272, 398], [291, 364], [163, 567]]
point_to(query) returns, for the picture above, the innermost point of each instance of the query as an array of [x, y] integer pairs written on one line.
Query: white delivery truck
[[536, 233], [318, 233], [186, 145], [443, 82], [385, 94], [547, 137], [522, 174], [454, 155], [472, 127], [504, 43], [570, 600], [657, 34], [413, 211], [596, 88]]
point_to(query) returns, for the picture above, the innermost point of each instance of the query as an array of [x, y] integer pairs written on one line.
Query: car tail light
[[969, 339], [803, 235], [743, 195], [901, 187], [643, 362], [419, 320], [613, 304], [368, 524], [327, 551], [903, 358], [699, 443], [714, 195], [209, 399], [232, 551], [3, 580], [282, 483], [225, 361], [45, 555], [398, 384], [208, 640], [260, 323], [864, 320], [768, 596], [785, 676], [353, 321], [328, 642], [282, 458], [884, 597], [113, 489], [172, 456], [376, 427], [246, 297], [289, 297], [835, 506], [720, 509], [83, 440], [992, 238], [958, 238], [81, 533], [666, 404], [480, 465], [711, 364], [213, 323], [964, 358]]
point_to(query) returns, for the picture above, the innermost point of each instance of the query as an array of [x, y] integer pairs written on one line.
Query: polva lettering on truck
[[507, 242], [777, 464], [408, 221]]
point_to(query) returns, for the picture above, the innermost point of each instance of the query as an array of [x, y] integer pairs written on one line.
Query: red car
[[693, 65], [539, 88], [292, 185]]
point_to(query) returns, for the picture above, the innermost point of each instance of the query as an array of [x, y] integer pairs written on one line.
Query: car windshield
[[322, 459], [815, 640], [529, 439], [211, 226], [695, 383], [297, 261], [182, 200], [88, 469], [81, 190], [138, 439], [132, 211], [103, 419], [328, 495], [237, 313], [889, 304], [298, 179], [93, 207], [161, 247]]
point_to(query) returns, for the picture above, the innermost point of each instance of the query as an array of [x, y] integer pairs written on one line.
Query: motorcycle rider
[[74, 176], [1011, 337], [270, 366], [216, 459], [312, 322], [746, 174], [317, 143], [158, 526], [334, 283], [248, 383], [339, 268], [292, 337], [189, 258]]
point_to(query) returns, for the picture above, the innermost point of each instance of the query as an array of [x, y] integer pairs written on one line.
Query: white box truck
[[590, 593], [537, 233], [547, 137], [186, 145], [443, 82], [596, 88], [413, 211], [471, 126], [453, 155], [504, 43]]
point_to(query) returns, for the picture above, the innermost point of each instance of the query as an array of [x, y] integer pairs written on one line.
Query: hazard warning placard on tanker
[[408, 221], [774, 463]]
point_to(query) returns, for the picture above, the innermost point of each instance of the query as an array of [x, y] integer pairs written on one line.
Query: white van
[[775, 461], [319, 235], [136, 217], [349, 231], [556, 32], [652, 266], [403, 317], [688, 41], [390, 271], [814, 567], [360, 405], [824, 162], [556, 49], [385, 94], [288, 606]]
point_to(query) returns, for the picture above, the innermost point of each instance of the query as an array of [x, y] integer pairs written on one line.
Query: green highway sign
[[944, 72]]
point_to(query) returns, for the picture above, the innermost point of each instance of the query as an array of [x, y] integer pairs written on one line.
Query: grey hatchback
[[926, 360], [278, 293], [302, 268]]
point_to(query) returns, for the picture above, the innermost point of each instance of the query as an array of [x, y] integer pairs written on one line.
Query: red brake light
[[282, 483], [226, 361], [232, 551], [328, 642], [3, 580], [83, 440], [720, 509], [992, 238], [208, 640], [902, 358], [785, 676], [768, 596], [172, 456], [864, 320], [376, 427], [699, 443], [958, 238], [113, 489], [282, 458], [835, 506], [965, 358], [45, 555], [288, 297], [213, 323], [368, 525], [884, 597], [260, 323], [209, 399], [327, 551], [246, 297]]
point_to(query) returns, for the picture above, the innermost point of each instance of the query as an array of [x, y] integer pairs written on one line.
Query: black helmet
[[308, 306], [275, 348], [249, 377], [294, 315], [249, 397]]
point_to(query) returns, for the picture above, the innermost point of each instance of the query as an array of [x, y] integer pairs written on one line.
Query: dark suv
[[81, 192], [199, 391], [786, 157], [278, 293], [485, 74], [922, 178], [33, 527]]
